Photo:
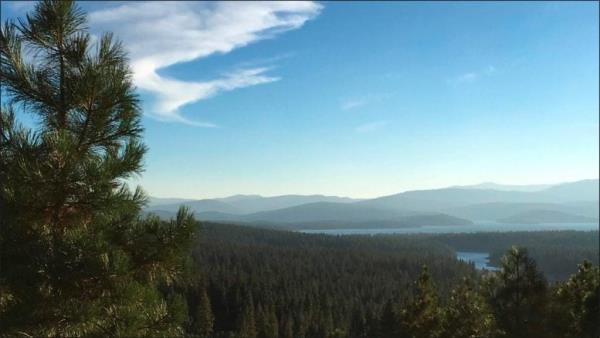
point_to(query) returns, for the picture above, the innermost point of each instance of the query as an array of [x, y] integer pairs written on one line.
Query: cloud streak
[[471, 77], [356, 102], [371, 126], [158, 35], [352, 103]]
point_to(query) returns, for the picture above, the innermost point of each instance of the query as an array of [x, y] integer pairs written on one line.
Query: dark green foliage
[[362, 286], [578, 303], [76, 259], [267, 325], [247, 320], [358, 325], [314, 283], [518, 295], [421, 318], [203, 318], [557, 253], [467, 314], [388, 325]]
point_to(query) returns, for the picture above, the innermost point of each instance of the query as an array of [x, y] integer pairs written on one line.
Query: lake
[[480, 259], [479, 227]]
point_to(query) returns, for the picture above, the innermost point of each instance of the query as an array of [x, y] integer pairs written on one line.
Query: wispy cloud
[[471, 77], [160, 34], [355, 102], [348, 104], [371, 126]]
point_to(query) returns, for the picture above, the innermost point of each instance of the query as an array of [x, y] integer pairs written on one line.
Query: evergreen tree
[[326, 322], [517, 295], [358, 325], [76, 258], [287, 328], [578, 302], [203, 319], [422, 317], [373, 325], [247, 320], [267, 326], [389, 322], [467, 314], [272, 327]]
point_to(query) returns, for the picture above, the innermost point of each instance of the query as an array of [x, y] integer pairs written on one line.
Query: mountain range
[[458, 205]]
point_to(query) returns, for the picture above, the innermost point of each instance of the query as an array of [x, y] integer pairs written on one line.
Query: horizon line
[[377, 196]]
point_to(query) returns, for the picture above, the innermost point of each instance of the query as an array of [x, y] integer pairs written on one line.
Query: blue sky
[[359, 99]]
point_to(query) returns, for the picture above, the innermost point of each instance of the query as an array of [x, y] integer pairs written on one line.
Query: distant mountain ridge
[[245, 204], [439, 199], [567, 202], [505, 187], [328, 214]]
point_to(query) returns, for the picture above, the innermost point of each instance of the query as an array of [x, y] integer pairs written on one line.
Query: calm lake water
[[480, 259], [479, 227]]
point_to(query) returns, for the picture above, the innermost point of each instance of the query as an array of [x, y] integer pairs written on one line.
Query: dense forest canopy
[[309, 285], [77, 258]]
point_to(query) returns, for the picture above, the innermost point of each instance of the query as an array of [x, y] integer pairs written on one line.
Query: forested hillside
[[557, 253], [265, 283]]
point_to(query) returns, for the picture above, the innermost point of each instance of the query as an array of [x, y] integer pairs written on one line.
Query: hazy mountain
[[198, 206], [586, 190], [569, 201], [585, 208], [218, 216], [505, 187], [155, 201], [254, 203], [322, 211], [547, 216], [245, 204], [237, 198], [333, 215], [499, 210], [442, 199]]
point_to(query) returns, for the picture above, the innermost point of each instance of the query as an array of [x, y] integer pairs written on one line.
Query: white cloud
[[371, 126], [472, 76], [160, 34]]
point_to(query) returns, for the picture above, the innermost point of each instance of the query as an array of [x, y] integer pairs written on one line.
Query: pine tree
[[203, 318], [578, 303], [517, 295], [422, 317], [76, 257], [467, 314], [373, 325], [266, 322], [358, 325], [287, 329], [272, 329], [389, 322], [247, 321]]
